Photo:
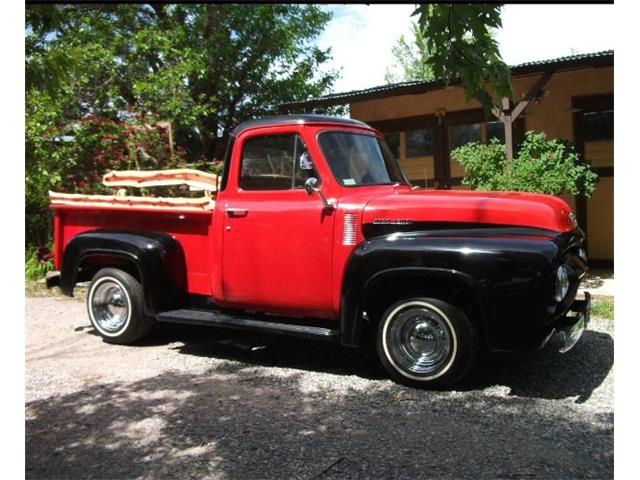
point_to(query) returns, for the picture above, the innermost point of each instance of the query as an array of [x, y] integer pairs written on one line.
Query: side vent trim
[[350, 229]]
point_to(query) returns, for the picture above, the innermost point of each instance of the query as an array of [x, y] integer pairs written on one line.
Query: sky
[[361, 36]]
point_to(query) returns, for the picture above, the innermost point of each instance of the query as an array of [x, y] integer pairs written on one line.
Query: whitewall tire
[[115, 303], [426, 342]]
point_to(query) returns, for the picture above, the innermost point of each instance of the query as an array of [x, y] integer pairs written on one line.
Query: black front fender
[[157, 258], [508, 273]]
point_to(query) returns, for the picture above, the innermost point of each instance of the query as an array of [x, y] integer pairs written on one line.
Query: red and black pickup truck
[[315, 232]]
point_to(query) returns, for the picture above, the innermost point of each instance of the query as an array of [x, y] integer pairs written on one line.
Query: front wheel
[[426, 342], [116, 306]]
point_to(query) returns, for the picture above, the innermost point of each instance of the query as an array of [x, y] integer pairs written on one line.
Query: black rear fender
[[155, 259]]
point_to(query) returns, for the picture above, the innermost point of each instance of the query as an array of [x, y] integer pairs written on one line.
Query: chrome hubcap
[[109, 306], [419, 340]]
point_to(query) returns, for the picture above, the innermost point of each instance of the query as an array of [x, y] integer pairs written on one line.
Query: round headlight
[[562, 283]]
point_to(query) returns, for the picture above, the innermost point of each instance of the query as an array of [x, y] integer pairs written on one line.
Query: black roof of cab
[[296, 119]]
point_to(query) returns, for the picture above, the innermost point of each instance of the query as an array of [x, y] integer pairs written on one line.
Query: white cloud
[[539, 32], [361, 36]]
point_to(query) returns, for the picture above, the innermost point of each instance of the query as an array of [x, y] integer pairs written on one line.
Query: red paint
[[280, 251], [499, 208], [190, 229]]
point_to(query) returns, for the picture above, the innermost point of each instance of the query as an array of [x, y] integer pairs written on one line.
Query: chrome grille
[[349, 231]]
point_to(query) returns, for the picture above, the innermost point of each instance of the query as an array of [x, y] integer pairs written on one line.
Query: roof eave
[[519, 70]]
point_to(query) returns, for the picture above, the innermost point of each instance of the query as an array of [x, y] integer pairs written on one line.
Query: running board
[[246, 321]]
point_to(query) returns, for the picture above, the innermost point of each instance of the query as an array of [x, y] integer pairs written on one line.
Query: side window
[[598, 126], [495, 130], [275, 162], [419, 143], [462, 134]]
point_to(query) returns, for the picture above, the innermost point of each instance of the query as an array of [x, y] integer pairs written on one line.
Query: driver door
[[277, 245]]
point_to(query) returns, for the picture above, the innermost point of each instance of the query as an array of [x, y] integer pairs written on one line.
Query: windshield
[[359, 159]]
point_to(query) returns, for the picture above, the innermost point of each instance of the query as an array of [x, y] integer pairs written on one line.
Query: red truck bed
[[190, 228]]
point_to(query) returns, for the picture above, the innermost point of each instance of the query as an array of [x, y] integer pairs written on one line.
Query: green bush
[[37, 262], [542, 166]]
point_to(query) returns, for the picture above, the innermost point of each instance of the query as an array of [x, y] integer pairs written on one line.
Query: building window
[[495, 130], [462, 134], [419, 143], [598, 126], [393, 142]]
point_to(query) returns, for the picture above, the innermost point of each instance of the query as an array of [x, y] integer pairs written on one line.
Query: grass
[[37, 288], [602, 309]]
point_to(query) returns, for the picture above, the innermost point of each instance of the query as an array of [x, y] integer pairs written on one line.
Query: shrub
[[37, 262], [73, 158], [542, 166]]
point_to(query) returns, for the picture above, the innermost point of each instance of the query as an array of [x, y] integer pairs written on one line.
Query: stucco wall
[[551, 114]]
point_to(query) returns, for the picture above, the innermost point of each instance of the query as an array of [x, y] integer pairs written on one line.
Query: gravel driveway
[[197, 402]]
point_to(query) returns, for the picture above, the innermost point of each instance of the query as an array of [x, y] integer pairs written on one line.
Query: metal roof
[[595, 59], [296, 119]]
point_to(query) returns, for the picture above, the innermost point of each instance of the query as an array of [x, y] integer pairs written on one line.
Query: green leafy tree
[[45, 68], [410, 59], [462, 47], [201, 67], [544, 166]]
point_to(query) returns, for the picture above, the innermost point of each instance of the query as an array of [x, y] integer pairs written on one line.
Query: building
[[568, 98]]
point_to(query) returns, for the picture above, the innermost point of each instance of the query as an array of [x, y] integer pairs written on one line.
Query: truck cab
[[316, 232]]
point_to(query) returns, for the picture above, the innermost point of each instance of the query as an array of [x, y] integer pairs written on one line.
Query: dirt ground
[[193, 402]]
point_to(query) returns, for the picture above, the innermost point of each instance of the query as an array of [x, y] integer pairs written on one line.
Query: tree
[[462, 48], [202, 67], [410, 59]]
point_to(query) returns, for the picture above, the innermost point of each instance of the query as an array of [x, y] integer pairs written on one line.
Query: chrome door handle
[[237, 212]]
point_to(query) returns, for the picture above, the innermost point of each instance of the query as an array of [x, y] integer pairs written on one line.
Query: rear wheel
[[116, 306], [425, 342]]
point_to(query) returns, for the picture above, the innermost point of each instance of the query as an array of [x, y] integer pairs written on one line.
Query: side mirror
[[311, 185]]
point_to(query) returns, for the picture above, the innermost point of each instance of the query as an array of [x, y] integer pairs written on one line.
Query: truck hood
[[406, 207]]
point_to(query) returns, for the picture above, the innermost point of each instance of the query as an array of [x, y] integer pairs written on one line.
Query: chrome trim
[[386, 221], [438, 365], [547, 338], [582, 253], [573, 219], [349, 232], [109, 306], [572, 333]]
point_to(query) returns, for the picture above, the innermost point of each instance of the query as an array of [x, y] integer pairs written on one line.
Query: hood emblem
[[391, 221]]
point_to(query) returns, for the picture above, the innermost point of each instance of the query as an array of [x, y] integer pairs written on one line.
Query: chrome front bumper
[[575, 322]]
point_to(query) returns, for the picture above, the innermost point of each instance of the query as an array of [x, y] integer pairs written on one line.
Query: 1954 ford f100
[[314, 231]]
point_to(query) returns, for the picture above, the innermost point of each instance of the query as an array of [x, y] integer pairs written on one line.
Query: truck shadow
[[541, 374], [222, 425], [547, 373]]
